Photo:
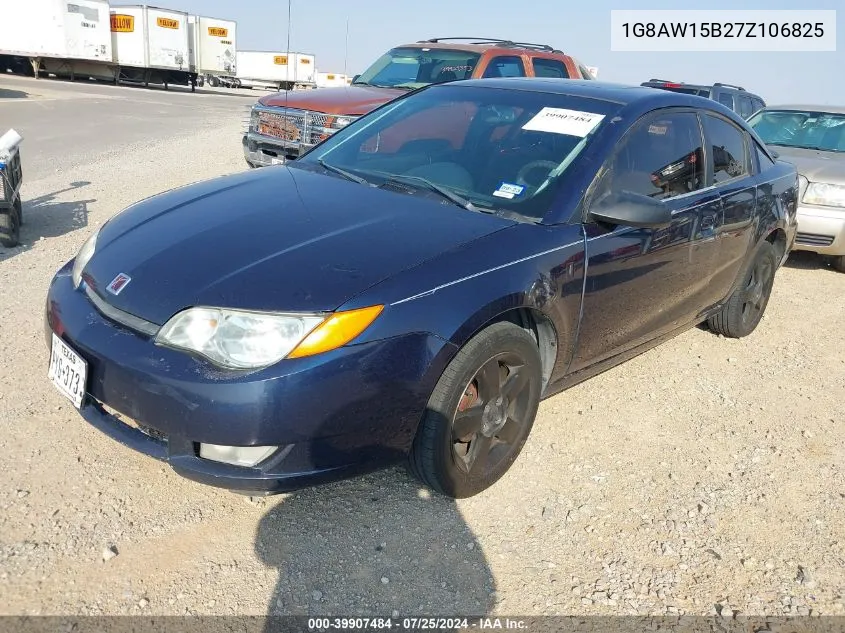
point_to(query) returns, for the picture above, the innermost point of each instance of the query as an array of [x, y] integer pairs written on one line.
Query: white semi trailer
[[150, 45], [212, 50], [56, 37], [276, 70]]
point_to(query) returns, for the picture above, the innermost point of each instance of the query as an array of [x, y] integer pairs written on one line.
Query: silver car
[[813, 138]]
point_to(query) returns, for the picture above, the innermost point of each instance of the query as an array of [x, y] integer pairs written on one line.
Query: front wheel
[[745, 307], [480, 414], [10, 227]]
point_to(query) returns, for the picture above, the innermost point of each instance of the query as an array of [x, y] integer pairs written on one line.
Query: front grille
[[119, 316], [297, 129], [286, 125], [813, 239]]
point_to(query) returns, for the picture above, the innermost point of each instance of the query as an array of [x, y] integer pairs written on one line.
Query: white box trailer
[[332, 80], [212, 46], [150, 44], [276, 70], [56, 36]]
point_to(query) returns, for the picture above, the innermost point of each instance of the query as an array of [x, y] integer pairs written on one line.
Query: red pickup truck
[[285, 124]]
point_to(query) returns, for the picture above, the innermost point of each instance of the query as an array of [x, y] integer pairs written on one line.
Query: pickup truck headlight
[[825, 194], [240, 339], [83, 257]]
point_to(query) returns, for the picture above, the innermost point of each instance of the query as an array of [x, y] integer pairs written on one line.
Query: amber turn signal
[[336, 331]]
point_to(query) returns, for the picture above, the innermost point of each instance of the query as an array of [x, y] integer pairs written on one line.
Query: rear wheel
[[480, 413], [745, 307], [838, 263]]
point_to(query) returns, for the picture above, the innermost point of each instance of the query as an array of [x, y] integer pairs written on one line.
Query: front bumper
[[263, 151], [821, 230], [332, 415]]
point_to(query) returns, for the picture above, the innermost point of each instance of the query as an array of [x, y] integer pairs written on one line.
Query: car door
[[729, 170], [643, 282]]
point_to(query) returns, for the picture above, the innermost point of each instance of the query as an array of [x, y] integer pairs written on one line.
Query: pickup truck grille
[[296, 129]]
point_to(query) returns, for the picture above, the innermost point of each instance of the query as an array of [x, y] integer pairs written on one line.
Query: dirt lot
[[707, 475]]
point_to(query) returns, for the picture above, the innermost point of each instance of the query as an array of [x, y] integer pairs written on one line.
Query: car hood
[[815, 165], [277, 239], [354, 100]]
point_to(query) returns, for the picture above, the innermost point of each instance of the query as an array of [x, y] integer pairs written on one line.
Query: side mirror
[[632, 209], [355, 78]]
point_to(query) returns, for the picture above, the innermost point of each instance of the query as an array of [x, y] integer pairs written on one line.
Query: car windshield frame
[[461, 63], [809, 114], [534, 203]]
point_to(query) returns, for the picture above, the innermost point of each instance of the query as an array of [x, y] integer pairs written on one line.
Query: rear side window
[[746, 108], [727, 149], [505, 66], [726, 99], [549, 68]]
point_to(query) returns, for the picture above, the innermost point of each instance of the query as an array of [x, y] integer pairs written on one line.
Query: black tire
[[10, 228], [838, 263], [500, 361], [19, 209], [745, 307]]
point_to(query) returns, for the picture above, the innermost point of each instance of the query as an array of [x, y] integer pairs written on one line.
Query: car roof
[[622, 94], [808, 108]]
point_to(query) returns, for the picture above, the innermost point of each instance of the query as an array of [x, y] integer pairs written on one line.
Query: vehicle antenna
[[346, 53], [287, 91]]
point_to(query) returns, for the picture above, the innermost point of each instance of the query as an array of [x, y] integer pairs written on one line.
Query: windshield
[[806, 129], [502, 151], [417, 67]]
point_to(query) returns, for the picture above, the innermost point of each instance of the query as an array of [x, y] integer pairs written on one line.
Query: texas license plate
[[68, 371]]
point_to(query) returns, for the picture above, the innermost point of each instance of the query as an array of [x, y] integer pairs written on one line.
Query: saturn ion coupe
[[411, 288]]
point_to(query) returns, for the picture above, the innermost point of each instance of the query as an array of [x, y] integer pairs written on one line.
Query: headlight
[[251, 123], [83, 257], [239, 339], [825, 194]]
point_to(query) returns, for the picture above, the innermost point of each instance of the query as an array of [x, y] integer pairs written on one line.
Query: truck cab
[[284, 125]]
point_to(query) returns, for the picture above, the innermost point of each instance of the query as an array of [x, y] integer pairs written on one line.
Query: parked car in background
[[736, 98], [411, 288], [813, 138], [284, 125]]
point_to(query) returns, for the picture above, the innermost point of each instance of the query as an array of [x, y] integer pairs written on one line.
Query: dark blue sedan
[[413, 287]]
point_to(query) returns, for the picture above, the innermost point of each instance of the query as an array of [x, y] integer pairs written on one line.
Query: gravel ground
[[706, 476]]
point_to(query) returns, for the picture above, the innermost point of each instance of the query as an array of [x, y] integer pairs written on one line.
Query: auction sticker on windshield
[[562, 121], [68, 371]]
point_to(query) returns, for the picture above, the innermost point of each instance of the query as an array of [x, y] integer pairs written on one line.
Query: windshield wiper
[[446, 193], [342, 172]]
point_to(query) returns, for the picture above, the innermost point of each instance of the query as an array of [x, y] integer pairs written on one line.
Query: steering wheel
[[532, 166]]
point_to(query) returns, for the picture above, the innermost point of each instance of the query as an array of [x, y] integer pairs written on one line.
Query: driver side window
[[660, 157]]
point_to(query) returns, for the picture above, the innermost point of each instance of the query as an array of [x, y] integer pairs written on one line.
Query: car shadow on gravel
[[48, 216], [805, 260], [373, 546]]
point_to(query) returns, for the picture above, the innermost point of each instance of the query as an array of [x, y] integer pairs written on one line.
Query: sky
[[580, 28]]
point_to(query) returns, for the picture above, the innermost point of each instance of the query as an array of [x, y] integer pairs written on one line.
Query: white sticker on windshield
[[560, 121], [508, 190]]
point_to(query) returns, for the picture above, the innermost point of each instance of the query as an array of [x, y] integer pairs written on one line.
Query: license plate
[[68, 371], [277, 161]]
